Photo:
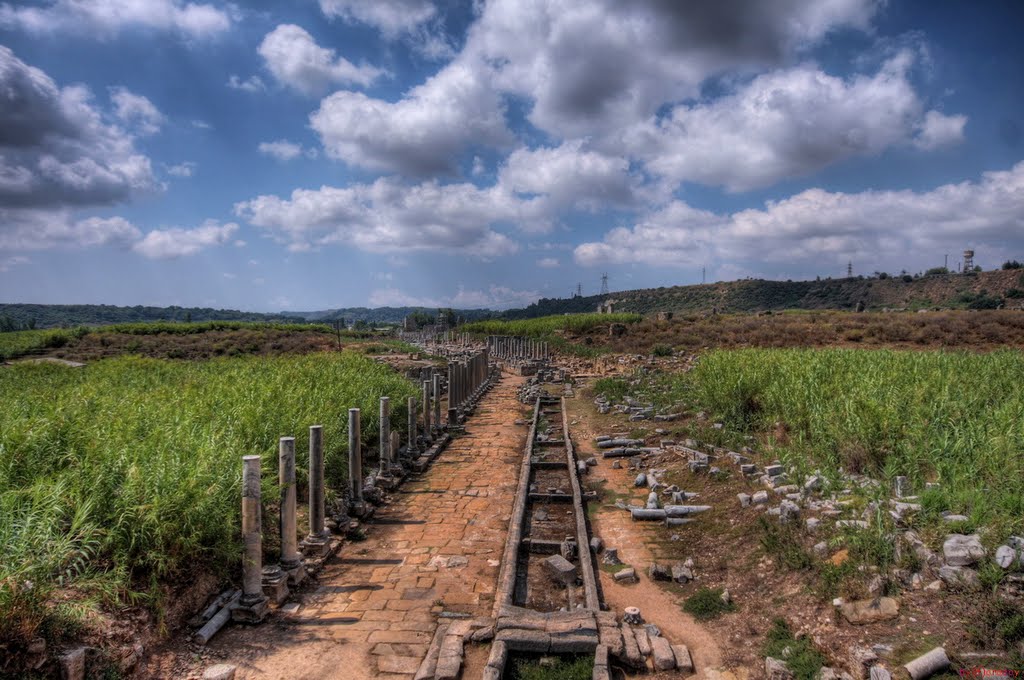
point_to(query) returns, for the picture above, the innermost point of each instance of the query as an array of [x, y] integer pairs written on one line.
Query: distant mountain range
[[982, 290]]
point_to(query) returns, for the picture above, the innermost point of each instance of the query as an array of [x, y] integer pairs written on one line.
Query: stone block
[[221, 671], [684, 662], [662, 654]]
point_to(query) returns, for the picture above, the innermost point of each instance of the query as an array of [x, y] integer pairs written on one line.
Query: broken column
[[355, 463], [318, 540], [291, 559], [385, 435], [252, 607], [426, 410]]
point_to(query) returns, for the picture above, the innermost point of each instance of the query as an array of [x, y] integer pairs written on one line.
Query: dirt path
[[638, 545], [436, 547]]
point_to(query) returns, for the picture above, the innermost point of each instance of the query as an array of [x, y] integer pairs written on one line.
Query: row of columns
[[518, 348]]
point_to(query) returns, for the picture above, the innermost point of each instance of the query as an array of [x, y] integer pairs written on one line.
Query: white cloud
[[229, 276], [784, 124], [591, 66], [296, 61], [388, 216], [250, 84], [40, 229], [282, 150], [55, 148], [495, 297], [175, 242], [136, 111], [938, 130], [391, 17], [201, 125], [419, 135], [14, 261], [548, 262], [105, 18], [571, 176], [185, 169], [893, 229]]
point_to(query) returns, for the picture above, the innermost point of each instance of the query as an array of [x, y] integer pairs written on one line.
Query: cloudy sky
[[323, 153]]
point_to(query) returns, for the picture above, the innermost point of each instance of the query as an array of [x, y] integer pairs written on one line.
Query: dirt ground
[[726, 548]]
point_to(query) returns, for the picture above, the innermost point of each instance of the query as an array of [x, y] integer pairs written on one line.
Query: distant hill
[[19, 316], [982, 290], [53, 316], [375, 315]]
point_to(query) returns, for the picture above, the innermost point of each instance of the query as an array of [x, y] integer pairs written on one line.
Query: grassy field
[[18, 343], [123, 475], [547, 325], [955, 418]]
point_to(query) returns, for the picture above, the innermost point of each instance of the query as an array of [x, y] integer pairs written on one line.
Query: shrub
[[707, 603], [1015, 293], [907, 278], [662, 350], [580, 668], [798, 652], [1012, 264]]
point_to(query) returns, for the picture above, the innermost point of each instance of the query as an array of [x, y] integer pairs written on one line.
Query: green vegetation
[[19, 343], [124, 475], [50, 316], [554, 668], [707, 603], [798, 653], [548, 325], [184, 328], [952, 417]]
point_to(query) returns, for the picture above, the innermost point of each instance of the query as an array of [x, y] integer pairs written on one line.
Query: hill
[[19, 316], [981, 290], [384, 315]]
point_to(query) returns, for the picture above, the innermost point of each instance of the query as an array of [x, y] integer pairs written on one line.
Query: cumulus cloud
[[787, 123], [57, 153], [172, 243], [28, 229], [938, 130], [420, 134], [388, 216], [296, 61], [548, 262], [105, 18], [590, 66], [495, 297], [571, 176], [282, 150], [390, 17], [816, 226], [250, 84], [136, 111], [186, 169]]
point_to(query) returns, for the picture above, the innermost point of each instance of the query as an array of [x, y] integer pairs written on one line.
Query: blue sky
[[329, 153]]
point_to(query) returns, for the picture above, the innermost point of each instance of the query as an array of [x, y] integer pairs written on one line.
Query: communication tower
[[849, 269], [604, 284]]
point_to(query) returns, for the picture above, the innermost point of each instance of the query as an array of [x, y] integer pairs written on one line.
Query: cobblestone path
[[435, 548]]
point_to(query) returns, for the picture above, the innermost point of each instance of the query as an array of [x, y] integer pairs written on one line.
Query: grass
[[579, 668], [549, 325], [798, 653], [950, 417], [125, 475], [190, 328], [19, 343], [707, 604]]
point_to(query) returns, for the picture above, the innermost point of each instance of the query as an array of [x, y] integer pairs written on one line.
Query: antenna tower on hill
[[579, 290], [604, 284], [849, 268]]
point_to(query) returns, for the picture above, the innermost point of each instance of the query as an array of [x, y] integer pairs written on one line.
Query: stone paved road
[[436, 547]]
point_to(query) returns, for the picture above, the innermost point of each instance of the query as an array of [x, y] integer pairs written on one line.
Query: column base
[[251, 610], [296, 573], [275, 584], [315, 546]]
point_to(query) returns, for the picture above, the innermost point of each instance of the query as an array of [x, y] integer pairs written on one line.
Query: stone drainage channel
[[548, 602]]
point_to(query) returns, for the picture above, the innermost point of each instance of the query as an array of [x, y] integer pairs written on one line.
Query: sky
[[317, 154]]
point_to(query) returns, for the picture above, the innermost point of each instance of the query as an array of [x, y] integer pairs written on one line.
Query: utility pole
[[604, 284], [579, 290], [703, 275], [849, 269], [945, 262]]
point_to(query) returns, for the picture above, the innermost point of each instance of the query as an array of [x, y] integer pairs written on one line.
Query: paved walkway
[[436, 547]]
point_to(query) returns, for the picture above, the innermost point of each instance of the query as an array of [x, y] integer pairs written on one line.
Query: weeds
[[798, 652], [707, 603], [552, 668], [783, 542]]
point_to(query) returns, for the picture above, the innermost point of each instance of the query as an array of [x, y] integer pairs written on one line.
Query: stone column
[[253, 602], [385, 434], [318, 540], [437, 400], [411, 422], [291, 559], [426, 410], [395, 443], [355, 459]]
